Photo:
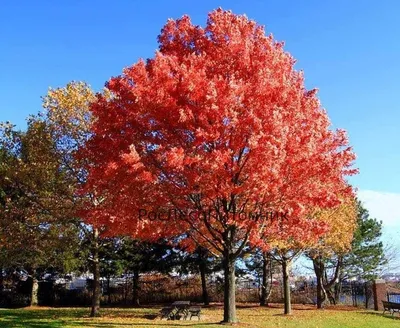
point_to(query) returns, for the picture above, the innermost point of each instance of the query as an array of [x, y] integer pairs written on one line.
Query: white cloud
[[383, 206]]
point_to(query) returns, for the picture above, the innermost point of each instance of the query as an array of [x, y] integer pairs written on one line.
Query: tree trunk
[[320, 299], [338, 290], [202, 269], [286, 286], [319, 269], [108, 290], [126, 291], [96, 275], [328, 284], [1, 279], [265, 275], [229, 289], [321, 293], [35, 289], [135, 288], [330, 296]]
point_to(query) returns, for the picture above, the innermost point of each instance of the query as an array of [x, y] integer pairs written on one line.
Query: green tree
[[262, 265], [140, 257], [202, 262], [367, 256], [111, 262], [37, 230]]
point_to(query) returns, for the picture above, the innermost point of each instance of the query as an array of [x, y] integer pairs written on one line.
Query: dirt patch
[[38, 308]]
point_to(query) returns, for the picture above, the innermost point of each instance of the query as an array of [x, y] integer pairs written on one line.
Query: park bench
[[391, 307], [178, 309], [183, 309], [194, 311], [169, 313]]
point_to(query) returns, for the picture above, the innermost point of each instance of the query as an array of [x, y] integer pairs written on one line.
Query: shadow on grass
[[60, 318], [71, 323], [32, 324], [295, 307], [141, 324], [46, 313], [380, 314], [38, 318]]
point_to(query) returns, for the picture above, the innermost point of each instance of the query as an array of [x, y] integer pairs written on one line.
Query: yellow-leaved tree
[[342, 221], [67, 113]]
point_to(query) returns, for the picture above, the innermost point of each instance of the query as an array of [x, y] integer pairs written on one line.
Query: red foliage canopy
[[218, 119]]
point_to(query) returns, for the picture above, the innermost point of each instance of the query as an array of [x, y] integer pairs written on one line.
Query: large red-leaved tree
[[213, 139]]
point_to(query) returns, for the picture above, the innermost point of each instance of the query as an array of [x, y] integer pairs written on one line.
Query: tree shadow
[[131, 324], [54, 313], [52, 318], [386, 315], [59, 318]]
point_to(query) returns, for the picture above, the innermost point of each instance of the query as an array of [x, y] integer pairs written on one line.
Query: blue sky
[[350, 50]]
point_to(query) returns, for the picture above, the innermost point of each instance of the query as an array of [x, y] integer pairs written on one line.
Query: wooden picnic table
[[177, 309], [181, 304], [183, 308]]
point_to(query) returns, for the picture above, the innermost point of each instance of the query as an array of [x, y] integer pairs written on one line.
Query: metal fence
[[393, 297], [357, 294], [165, 289]]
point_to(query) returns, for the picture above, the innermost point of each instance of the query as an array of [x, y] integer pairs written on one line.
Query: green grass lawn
[[249, 316]]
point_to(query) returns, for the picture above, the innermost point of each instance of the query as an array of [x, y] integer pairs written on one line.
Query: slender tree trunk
[[320, 299], [96, 275], [202, 269], [108, 290], [126, 290], [35, 289], [229, 289], [331, 296], [286, 286], [338, 290], [321, 293], [1, 279], [265, 275], [135, 288]]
